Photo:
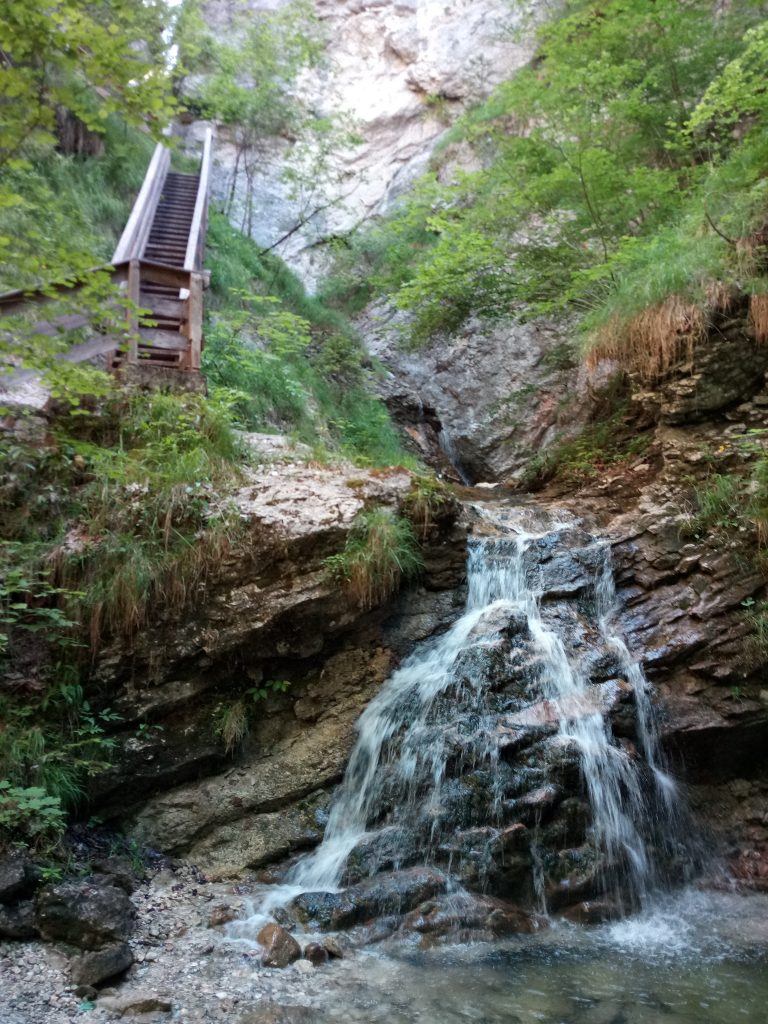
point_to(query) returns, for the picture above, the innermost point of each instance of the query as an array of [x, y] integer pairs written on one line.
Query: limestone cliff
[[400, 69]]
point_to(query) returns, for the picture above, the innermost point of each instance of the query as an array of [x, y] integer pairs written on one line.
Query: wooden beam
[[134, 294], [163, 339], [194, 323]]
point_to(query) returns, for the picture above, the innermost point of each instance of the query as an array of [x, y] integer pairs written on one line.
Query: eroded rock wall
[[269, 610]]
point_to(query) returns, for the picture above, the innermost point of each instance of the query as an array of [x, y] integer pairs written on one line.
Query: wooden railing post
[[134, 295], [195, 319]]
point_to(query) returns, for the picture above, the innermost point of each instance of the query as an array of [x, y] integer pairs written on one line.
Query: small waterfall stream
[[464, 742]]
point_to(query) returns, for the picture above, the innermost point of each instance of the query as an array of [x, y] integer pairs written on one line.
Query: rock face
[[400, 68], [269, 611], [489, 398], [687, 600]]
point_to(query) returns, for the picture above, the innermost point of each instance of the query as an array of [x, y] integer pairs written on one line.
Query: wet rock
[[221, 914], [96, 965], [334, 948], [18, 921], [280, 947], [130, 1004], [595, 912], [316, 953], [84, 915], [461, 917], [394, 893], [15, 876]]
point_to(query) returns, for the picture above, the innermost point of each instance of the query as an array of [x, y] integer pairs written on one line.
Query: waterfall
[[431, 777]]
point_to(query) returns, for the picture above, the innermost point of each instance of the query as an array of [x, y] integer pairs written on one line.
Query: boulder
[[18, 921], [96, 965], [221, 914], [131, 1004], [316, 954], [460, 917], [280, 947], [15, 876], [84, 915], [393, 893]]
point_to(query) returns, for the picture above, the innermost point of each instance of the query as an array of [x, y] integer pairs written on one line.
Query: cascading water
[[470, 740]]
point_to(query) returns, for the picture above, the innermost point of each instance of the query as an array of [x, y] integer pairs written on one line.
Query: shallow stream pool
[[700, 959]]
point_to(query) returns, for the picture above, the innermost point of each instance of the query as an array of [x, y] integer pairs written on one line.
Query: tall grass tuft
[[380, 552]]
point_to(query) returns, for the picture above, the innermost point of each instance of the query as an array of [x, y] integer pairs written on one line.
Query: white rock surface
[[387, 58]]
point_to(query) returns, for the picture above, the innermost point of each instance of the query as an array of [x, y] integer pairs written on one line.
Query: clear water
[[696, 959]]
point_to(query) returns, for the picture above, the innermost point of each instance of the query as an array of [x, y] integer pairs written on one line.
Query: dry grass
[[118, 580], [654, 341], [758, 318]]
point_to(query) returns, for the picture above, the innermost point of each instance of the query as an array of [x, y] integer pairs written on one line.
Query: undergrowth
[[287, 361], [380, 552]]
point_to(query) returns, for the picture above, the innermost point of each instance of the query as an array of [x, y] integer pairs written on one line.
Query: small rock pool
[[699, 959]]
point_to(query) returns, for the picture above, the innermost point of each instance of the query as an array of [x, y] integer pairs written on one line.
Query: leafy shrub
[[31, 813]]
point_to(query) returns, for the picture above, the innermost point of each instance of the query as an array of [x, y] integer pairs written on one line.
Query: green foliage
[[71, 209], [755, 653], [381, 550], [719, 505], [29, 812], [617, 170], [286, 362], [82, 59]]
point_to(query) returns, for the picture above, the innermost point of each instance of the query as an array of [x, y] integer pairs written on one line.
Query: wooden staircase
[[165, 233], [158, 268]]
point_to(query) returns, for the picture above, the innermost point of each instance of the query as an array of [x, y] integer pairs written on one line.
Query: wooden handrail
[[134, 237], [194, 255]]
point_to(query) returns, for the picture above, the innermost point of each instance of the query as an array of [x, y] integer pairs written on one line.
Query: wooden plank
[[136, 231], [163, 306], [153, 338], [163, 273], [99, 346], [53, 328], [199, 218]]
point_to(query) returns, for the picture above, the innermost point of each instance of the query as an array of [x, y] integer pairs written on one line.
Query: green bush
[[31, 813]]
